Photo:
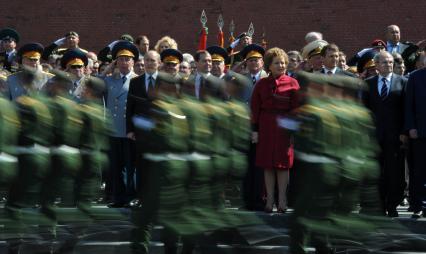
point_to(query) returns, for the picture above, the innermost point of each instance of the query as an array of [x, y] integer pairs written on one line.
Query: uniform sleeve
[[255, 105], [409, 102], [130, 106]]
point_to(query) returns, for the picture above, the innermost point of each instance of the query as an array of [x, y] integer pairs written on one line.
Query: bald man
[[393, 37]]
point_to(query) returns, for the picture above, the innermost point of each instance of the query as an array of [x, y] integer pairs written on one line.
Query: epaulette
[[48, 74]]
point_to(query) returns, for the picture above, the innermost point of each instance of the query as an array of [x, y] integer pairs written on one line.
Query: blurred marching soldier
[[253, 57], [93, 142], [317, 142], [125, 54], [219, 58], [312, 53], [164, 134], [31, 78], [65, 153], [138, 100], [70, 41], [74, 61], [9, 38], [9, 128], [253, 184], [34, 140]]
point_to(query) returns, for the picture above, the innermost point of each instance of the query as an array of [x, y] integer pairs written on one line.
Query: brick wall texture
[[350, 24]]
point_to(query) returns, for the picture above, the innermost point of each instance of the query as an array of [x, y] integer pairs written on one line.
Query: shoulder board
[[48, 74]]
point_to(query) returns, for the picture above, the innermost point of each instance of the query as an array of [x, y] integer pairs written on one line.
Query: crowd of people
[[131, 117]]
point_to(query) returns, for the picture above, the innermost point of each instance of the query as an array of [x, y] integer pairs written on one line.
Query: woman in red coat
[[272, 98]]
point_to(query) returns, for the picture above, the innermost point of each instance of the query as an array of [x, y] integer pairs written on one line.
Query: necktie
[[329, 73], [124, 79], [384, 90], [253, 79], [150, 83]]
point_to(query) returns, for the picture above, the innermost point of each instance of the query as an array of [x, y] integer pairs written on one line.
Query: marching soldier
[[31, 78], [93, 142], [65, 153], [9, 38], [164, 131]]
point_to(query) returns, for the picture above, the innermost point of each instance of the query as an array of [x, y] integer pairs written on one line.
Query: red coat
[[273, 98]]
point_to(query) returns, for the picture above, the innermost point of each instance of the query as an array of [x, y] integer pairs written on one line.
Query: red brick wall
[[350, 24]]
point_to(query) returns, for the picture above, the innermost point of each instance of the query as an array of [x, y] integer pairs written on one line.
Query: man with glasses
[[9, 38], [74, 62]]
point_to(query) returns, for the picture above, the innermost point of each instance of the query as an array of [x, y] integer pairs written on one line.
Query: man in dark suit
[[138, 100], [415, 123], [330, 55], [385, 98]]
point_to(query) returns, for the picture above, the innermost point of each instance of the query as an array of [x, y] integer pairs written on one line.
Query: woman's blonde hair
[[271, 54], [173, 44]]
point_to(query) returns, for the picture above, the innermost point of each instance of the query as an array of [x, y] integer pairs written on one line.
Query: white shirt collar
[[332, 70], [387, 77]]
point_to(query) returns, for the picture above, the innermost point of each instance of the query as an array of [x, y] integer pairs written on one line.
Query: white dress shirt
[[388, 82]]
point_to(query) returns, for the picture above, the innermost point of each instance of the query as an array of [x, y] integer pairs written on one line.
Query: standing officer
[[9, 38], [125, 54], [31, 77], [219, 58], [74, 62]]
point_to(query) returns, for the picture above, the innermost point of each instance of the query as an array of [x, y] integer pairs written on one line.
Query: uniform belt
[[354, 160], [65, 149], [175, 156], [313, 158], [34, 149], [4, 157]]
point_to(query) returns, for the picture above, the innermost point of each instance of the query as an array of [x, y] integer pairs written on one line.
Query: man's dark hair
[[330, 47], [199, 53]]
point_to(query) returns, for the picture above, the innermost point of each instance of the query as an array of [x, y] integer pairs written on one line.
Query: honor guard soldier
[[33, 150], [93, 143], [9, 38], [30, 78], [219, 58], [235, 58], [65, 152], [70, 41], [74, 62], [125, 54]]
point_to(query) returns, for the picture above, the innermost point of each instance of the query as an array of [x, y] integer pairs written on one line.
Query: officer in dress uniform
[[121, 155], [312, 54], [70, 41], [31, 77], [9, 38], [74, 62], [219, 58]]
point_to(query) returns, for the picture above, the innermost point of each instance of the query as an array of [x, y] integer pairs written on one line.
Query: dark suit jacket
[[415, 103], [341, 72], [388, 113], [137, 101]]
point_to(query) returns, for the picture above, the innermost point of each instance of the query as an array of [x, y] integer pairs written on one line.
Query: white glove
[[112, 44], [61, 41], [234, 44]]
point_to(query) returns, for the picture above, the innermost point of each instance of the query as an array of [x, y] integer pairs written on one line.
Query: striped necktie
[[384, 90]]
